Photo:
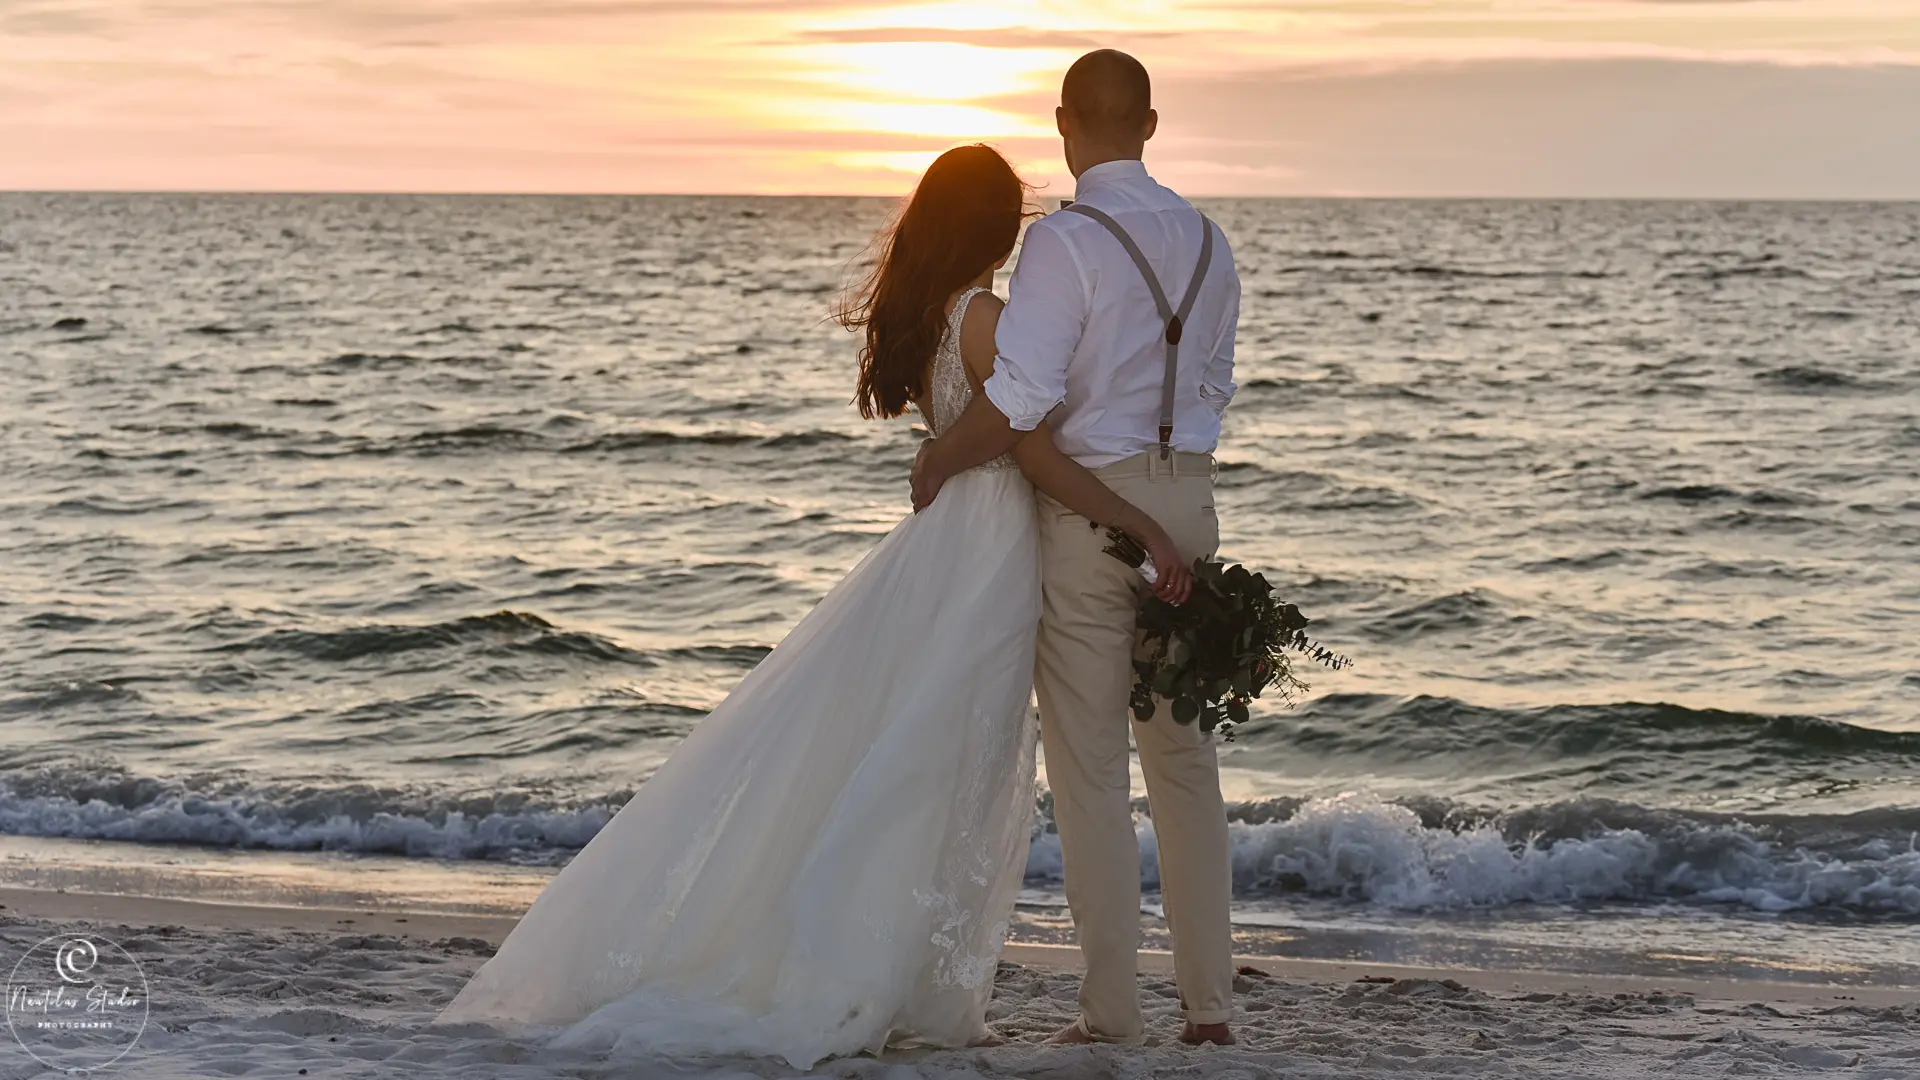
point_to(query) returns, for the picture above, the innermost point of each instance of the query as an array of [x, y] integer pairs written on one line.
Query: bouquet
[[1211, 656]]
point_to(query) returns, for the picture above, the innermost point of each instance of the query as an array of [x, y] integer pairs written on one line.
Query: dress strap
[[959, 315]]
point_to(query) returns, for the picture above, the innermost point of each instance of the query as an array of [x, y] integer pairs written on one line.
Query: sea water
[[428, 526]]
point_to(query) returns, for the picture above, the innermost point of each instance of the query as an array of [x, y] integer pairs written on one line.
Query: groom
[[1119, 334]]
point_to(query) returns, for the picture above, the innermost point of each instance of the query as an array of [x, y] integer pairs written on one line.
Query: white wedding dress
[[827, 864]]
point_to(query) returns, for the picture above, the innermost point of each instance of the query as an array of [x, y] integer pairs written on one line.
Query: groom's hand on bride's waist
[[981, 434], [926, 480]]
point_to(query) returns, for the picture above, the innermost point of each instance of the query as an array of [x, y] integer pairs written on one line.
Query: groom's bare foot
[[1071, 1035], [1201, 1034]]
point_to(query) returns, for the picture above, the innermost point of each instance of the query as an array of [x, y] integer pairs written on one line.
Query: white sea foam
[[1354, 847], [1360, 848], [537, 835]]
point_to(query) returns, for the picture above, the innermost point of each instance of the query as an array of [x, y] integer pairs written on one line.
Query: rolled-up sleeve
[[1039, 330], [1216, 383]]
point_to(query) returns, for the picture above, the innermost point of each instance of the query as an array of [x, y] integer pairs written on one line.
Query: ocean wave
[[60, 621], [1359, 848], [68, 694], [476, 435], [471, 438], [1703, 493], [107, 804], [1750, 569], [1595, 560], [512, 630], [1283, 383], [1423, 270], [498, 437], [1428, 854], [1382, 728], [1776, 523], [1766, 268], [374, 361], [1474, 609], [1808, 378], [652, 440], [107, 506], [741, 656], [1318, 493], [1354, 498]]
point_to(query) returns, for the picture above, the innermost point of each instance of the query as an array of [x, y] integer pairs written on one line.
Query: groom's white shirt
[[1081, 329]]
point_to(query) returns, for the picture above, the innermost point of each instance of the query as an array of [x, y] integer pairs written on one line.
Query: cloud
[[1588, 128], [469, 17], [1011, 37], [54, 19], [1423, 7], [1437, 97], [814, 141]]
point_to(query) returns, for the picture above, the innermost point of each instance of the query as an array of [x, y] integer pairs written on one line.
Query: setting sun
[[928, 70]]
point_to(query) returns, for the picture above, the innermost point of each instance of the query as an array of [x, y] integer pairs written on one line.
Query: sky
[[1580, 98]]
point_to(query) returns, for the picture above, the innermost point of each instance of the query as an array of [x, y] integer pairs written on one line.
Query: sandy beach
[[243, 990]]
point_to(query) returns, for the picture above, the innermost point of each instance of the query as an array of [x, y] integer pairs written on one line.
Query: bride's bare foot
[[1071, 1035], [982, 1041], [1201, 1034]]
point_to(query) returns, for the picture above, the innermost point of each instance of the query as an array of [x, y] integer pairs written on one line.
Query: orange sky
[[1794, 98]]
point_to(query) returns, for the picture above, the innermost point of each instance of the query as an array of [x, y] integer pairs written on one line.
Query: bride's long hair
[[962, 219]]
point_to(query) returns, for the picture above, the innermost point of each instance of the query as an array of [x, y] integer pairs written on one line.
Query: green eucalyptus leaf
[[1185, 710]]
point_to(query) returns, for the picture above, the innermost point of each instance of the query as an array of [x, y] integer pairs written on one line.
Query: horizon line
[[1294, 197]]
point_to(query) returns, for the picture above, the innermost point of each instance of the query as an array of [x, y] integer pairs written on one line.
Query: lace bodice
[[949, 391]]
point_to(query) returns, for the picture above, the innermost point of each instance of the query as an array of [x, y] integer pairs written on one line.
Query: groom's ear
[[1060, 120], [1153, 125]]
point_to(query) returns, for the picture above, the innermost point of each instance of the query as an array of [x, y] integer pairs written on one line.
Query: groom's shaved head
[[1108, 94]]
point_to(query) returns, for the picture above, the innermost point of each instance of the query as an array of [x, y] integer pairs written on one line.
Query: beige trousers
[[1083, 676]]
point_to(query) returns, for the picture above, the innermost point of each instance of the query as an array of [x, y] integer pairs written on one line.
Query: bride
[[827, 864]]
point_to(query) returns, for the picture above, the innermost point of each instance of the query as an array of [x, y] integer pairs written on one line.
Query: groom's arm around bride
[[1135, 390]]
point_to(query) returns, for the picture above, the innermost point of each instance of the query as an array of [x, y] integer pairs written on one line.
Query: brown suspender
[[1175, 320]]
